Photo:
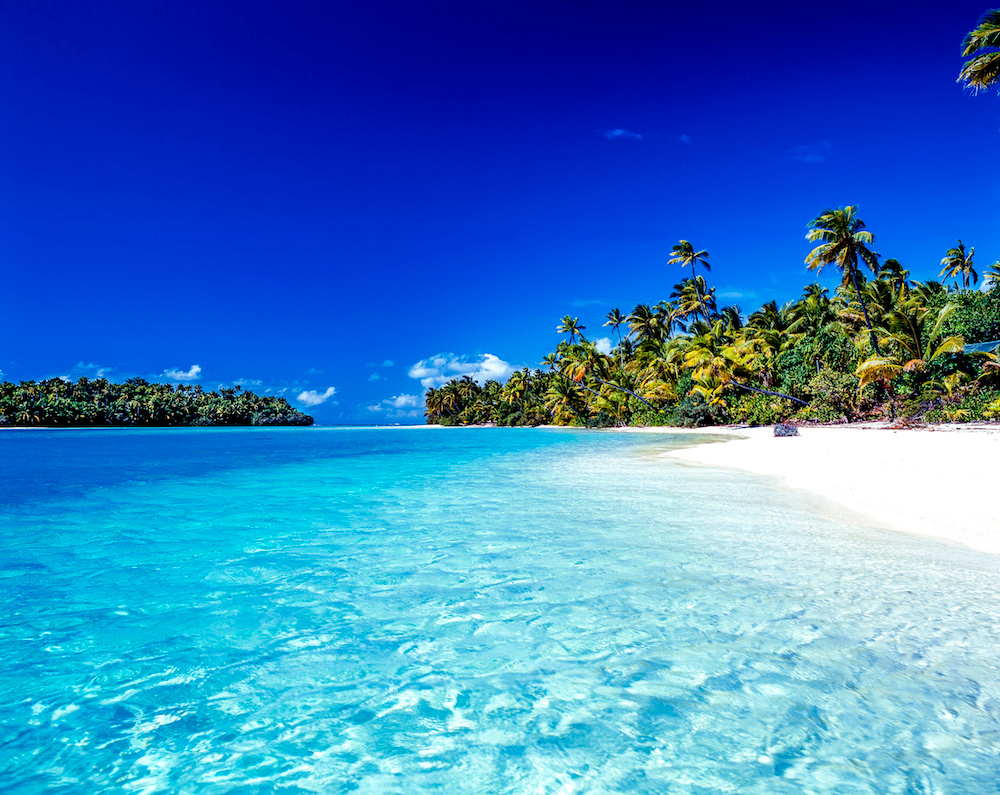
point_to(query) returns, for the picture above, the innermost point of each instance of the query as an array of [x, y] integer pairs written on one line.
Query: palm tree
[[646, 323], [913, 344], [571, 326], [563, 397], [983, 69], [892, 270], [844, 242], [992, 275], [683, 254], [615, 320], [957, 263], [692, 297]]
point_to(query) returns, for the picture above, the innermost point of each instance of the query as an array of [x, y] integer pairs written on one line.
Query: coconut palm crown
[[844, 241], [957, 264], [683, 254], [982, 70]]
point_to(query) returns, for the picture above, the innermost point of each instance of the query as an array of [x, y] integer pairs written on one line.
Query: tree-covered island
[[884, 347], [136, 402], [881, 346]]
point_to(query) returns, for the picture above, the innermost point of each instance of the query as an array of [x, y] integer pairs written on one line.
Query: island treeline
[[884, 347], [137, 402], [881, 346]]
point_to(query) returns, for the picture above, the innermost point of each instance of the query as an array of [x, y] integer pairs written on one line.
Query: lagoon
[[471, 610]]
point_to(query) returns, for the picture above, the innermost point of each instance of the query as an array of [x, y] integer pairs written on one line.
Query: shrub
[[756, 409]]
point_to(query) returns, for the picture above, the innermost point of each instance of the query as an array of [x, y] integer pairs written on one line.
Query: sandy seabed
[[939, 481]]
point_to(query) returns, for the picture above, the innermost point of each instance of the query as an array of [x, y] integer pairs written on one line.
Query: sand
[[939, 481]]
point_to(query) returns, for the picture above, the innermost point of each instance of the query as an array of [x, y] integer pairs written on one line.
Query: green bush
[[975, 405], [977, 317], [755, 409]]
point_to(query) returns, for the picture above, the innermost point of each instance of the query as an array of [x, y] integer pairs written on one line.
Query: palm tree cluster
[[463, 401], [880, 345], [138, 402]]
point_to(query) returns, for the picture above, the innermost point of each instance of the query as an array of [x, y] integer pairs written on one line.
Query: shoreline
[[936, 482]]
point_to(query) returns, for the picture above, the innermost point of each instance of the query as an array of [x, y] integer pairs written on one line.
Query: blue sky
[[348, 201]]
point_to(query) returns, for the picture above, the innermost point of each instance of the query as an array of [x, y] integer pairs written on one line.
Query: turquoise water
[[481, 610]]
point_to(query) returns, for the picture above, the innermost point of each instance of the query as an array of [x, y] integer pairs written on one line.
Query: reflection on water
[[471, 611]]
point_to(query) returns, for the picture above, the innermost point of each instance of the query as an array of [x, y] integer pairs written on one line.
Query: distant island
[[136, 403], [880, 348]]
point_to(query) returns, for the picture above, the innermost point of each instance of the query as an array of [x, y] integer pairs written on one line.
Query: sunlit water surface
[[329, 610]]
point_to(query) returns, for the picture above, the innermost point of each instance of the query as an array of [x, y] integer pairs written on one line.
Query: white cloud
[[311, 397], [387, 363], [400, 406], [619, 134], [685, 139], [179, 375], [440, 369], [603, 345], [811, 153], [376, 377], [403, 401]]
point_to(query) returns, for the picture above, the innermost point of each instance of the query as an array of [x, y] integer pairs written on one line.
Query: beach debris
[[785, 429]]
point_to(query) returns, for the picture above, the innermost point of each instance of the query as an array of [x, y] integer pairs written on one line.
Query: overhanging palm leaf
[[983, 69]]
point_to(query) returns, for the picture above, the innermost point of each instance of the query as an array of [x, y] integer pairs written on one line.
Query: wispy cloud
[[313, 371], [440, 369], [88, 369], [179, 375], [581, 302], [811, 153], [618, 134], [311, 397], [376, 377], [685, 139], [387, 363]]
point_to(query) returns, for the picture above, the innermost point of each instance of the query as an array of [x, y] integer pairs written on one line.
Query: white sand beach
[[937, 481]]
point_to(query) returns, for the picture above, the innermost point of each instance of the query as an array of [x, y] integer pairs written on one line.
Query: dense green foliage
[[138, 402], [879, 347]]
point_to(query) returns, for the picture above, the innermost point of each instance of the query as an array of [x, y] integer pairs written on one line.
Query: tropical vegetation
[[136, 402], [880, 346]]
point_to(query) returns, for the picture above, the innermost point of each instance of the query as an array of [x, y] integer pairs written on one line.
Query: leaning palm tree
[[957, 263], [683, 254], [982, 70], [844, 242]]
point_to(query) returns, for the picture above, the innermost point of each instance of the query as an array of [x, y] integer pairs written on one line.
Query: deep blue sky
[[306, 195]]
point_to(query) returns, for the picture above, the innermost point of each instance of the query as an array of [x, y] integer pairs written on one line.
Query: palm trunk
[[697, 292], [628, 392], [868, 320], [765, 392]]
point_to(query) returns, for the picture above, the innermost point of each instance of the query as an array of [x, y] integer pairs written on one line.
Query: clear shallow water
[[327, 610]]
